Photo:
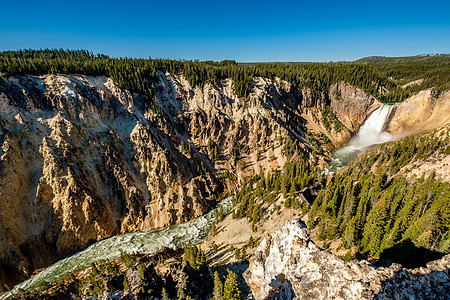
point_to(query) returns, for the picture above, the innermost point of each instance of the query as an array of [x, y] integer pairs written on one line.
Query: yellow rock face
[[420, 112], [82, 159]]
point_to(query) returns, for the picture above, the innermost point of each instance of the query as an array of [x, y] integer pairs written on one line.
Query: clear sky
[[241, 30]]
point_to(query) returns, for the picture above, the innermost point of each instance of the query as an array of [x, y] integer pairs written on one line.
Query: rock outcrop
[[82, 159], [420, 112], [288, 265], [351, 105]]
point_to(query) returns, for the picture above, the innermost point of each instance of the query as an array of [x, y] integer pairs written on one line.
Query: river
[[193, 232]]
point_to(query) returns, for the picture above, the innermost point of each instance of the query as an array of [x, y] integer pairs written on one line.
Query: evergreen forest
[[380, 78], [378, 201]]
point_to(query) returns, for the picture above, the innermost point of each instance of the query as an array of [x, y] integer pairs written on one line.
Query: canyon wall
[[81, 159], [420, 112]]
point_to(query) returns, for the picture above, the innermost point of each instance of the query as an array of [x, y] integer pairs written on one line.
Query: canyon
[[83, 160]]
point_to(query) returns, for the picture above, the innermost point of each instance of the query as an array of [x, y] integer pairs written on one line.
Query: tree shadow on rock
[[410, 284], [238, 268], [282, 289], [408, 255]]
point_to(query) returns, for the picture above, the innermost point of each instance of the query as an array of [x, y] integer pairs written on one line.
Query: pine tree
[[203, 259], [187, 252], [181, 294], [221, 214], [200, 258], [164, 294], [231, 290], [190, 255], [237, 253], [213, 228], [193, 257], [218, 287]]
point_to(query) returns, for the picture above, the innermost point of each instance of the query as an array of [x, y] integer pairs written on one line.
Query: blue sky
[[241, 30]]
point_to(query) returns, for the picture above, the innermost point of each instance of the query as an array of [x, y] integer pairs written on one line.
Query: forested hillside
[[376, 202], [381, 80], [430, 71]]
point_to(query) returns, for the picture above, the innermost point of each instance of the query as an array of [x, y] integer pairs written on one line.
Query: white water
[[193, 232], [370, 133]]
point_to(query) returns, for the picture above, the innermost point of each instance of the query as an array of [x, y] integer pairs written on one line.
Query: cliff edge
[[288, 265]]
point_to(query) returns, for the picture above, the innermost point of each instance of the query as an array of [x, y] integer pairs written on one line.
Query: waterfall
[[370, 133]]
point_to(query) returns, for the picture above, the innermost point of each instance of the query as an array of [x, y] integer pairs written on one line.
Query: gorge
[[118, 154]]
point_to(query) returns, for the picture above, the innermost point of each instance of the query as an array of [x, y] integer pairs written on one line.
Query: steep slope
[[285, 265], [288, 265], [80, 163], [351, 105], [398, 193], [420, 112], [349, 108], [82, 159]]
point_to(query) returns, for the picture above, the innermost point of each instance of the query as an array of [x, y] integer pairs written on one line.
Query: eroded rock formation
[[351, 105], [420, 112], [288, 265], [82, 159]]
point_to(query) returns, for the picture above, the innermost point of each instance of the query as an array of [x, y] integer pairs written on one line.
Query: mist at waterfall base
[[370, 133]]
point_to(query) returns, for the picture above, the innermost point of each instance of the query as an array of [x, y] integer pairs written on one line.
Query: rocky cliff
[[420, 112], [288, 265], [82, 159], [348, 108], [351, 105]]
